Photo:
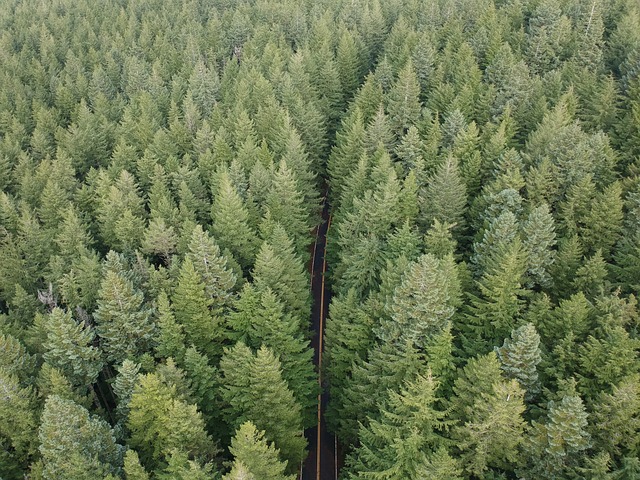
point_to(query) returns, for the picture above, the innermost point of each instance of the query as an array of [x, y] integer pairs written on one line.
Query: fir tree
[[254, 390], [403, 441], [230, 222], [191, 306], [74, 444], [69, 347], [519, 357], [251, 451], [123, 323]]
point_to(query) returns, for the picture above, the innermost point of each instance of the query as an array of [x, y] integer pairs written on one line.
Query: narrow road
[[320, 464]]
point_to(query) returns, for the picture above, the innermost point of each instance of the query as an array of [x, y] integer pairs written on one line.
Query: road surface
[[320, 464]]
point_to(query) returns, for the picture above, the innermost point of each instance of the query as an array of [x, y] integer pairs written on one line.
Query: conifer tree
[[191, 306], [69, 348], [230, 225], [254, 390], [171, 339], [123, 387], [76, 445], [212, 266], [404, 100], [423, 303], [403, 441], [285, 203], [519, 357], [539, 238], [282, 273], [160, 421], [132, 468], [445, 196], [18, 423], [494, 313], [260, 320], [123, 322], [255, 456], [555, 447]]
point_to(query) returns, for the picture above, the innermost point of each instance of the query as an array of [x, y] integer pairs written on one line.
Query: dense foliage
[[162, 165]]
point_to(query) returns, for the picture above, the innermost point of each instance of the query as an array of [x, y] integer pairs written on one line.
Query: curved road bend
[[320, 464]]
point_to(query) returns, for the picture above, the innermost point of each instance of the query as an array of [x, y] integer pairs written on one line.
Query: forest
[[163, 169]]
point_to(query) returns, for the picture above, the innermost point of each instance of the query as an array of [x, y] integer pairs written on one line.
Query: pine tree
[[160, 421], [18, 423], [493, 431], [254, 390], [555, 447], [251, 451], [349, 146], [366, 391], [282, 273], [286, 204], [494, 313], [230, 225], [212, 266], [423, 303], [75, 445], [123, 387], [132, 468], [402, 442], [347, 336], [69, 347], [260, 320], [404, 100], [159, 239], [539, 238], [445, 197], [616, 422], [520, 356], [123, 322], [181, 467], [191, 306], [171, 339]]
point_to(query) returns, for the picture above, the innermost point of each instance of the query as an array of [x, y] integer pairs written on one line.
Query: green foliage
[[74, 444], [192, 309], [519, 357], [123, 322], [253, 390], [254, 456], [160, 421], [404, 442], [69, 348]]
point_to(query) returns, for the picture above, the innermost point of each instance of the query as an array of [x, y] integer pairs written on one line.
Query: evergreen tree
[[406, 437], [282, 273], [254, 390], [123, 322], [212, 266], [132, 468], [519, 357], [171, 339], [260, 320], [69, 347], [423, 303], [539, 238], [230, 222], [555, 446], [191, 306], [445, 197], [160, 421], [75, 445], [404, 101], [286, 204], [259, 459]]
